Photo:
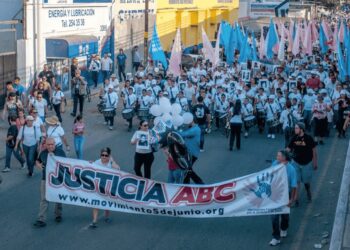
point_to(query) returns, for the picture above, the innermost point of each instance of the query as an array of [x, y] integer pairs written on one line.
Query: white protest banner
[[81, 183]]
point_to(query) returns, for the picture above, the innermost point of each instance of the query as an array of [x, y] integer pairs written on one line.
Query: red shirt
[[313, 83], [171, 164]]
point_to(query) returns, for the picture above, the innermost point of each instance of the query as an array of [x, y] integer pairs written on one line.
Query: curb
[[341, 211]]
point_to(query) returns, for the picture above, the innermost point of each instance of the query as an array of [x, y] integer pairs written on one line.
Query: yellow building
[[190, 16]]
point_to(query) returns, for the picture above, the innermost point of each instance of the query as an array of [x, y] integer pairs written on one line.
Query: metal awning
[[71, 46]]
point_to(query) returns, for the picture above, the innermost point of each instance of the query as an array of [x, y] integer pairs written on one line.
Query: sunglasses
[[104, 155]]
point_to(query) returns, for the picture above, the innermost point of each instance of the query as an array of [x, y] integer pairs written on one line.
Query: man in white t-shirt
[[106, 66]]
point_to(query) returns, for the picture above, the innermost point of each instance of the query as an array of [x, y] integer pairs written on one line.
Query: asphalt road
[[19, 201]]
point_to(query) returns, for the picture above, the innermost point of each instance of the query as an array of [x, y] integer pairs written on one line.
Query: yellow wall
[[190, 18]]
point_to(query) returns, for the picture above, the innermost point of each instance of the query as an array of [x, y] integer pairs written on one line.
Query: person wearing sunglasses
[[143, 139], [106, 161]]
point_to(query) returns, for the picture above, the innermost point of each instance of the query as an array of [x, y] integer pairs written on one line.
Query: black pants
[[235, 133], [146, 160], [121, 71], [136, 65], [130, 123], [57, 108], [78, 98], [190, 174], [278, 225], [109, 120], [94, 76]]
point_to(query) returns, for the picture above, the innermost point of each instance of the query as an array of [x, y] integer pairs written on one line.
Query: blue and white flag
[[271, 40], [323, 41], [341, 63], [254, 55], [156, 51]]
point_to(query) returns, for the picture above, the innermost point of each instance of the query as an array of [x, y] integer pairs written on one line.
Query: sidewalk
[[341, 227]]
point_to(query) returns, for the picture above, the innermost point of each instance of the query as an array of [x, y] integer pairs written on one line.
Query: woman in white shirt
[[57, 101], [29, 137], [105, 162], [236, 124], [55, 130], [143, 139], [41, 106]]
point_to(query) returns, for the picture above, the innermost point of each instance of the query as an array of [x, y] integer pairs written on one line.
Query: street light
[[145, 53]]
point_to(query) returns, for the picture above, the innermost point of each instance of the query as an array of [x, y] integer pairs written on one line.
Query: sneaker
[[93, 225], [108, 220], [24, 166], [283, 233], [30, 174], [5, 170], [269, 136], [272, 136], [202, 150], [58, 219], [110, 127], [274, 242], [105, 123], [246, 134], [72, 114], [39, 223]]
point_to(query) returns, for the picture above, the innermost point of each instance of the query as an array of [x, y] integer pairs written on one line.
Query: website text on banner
[[81, 183]]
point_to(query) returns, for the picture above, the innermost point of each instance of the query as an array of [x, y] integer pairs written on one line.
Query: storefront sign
[[82, 18], [60, 2], [132, 9]]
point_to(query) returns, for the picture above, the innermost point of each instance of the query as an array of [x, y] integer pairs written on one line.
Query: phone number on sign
[[73, 23]]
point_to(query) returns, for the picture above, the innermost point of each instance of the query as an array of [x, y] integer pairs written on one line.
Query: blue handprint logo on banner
[[264, 185]]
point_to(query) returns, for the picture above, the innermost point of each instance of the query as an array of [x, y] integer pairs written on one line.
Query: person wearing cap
[[94, 68], [280, 222], [11, 139], [114, 81], [41, 165], [28, 137], [106, 66], [55, 130], [272, 110], [221, 107], [303, 148], [319, 115], [192, 136], [129, 101], [111, 103]]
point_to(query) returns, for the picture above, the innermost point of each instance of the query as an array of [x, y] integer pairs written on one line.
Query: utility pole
[[34, 39], [145, 53]]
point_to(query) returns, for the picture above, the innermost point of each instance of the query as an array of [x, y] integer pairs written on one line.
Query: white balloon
[[166, 117], [176, 109], [155, 110], [188, 118], [165, 105], [178, 120]]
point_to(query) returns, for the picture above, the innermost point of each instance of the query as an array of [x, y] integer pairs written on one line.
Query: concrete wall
[[8, 11]]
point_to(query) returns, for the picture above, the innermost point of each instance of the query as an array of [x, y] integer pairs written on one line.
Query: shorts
[[304, 172]]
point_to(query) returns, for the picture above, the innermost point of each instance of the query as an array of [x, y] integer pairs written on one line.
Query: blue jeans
[[105, 75], [175, 176], [17, 155], [202, 127], [78, 145], [30, 153]]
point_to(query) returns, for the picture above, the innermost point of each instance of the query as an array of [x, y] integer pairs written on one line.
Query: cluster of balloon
[[178, 150], [168, 118]]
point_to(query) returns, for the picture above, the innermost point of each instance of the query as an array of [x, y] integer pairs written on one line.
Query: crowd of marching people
[[298, 95]]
